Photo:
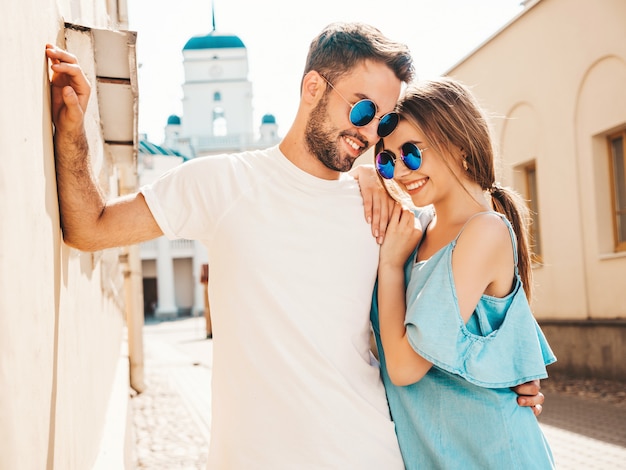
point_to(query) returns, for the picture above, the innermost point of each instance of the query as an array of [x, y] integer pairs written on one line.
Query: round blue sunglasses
[[364, 111], [410, 155]]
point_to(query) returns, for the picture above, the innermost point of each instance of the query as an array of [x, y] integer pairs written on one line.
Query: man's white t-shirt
[[293, 263]]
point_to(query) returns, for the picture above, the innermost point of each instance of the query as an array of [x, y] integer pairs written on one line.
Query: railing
[[226, 142], [178, 249], [149, 250]]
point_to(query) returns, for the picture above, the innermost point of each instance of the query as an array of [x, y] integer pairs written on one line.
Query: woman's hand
[[376, 201], [402, 236]]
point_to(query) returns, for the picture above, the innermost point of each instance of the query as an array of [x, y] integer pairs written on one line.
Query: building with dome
[[217, 100], [217, 118]]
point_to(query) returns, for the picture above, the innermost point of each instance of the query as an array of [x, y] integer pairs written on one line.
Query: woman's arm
[[483, 263], [404, 365]]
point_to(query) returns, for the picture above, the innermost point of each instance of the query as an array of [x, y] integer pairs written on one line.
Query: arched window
[[219, 122]]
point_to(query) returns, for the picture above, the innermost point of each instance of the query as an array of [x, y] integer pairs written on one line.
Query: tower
[[217, 95]]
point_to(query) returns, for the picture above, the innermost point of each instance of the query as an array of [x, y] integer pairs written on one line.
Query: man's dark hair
[[342, 46]]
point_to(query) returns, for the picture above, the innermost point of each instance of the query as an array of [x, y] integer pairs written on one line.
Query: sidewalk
[[172, 417]]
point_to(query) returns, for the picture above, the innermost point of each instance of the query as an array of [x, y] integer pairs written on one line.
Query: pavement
[[172, 417]]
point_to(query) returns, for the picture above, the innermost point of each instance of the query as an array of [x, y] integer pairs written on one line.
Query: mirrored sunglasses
[[410, 155], [364, 111]]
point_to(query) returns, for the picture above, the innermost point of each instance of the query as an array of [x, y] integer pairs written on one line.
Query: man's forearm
[[81, 202]]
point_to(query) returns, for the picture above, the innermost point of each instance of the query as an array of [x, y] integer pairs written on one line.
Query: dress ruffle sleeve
[[502, 344]]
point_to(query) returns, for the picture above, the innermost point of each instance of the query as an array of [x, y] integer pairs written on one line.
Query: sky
[[277, 34]]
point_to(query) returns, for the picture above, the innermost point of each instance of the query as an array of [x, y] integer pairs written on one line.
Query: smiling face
[[438, 173], [329, 134]]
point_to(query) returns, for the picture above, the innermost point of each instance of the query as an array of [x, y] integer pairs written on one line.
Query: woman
[[463, 334]]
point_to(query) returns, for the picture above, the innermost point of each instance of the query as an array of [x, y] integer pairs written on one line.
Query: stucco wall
[[61, 311], [588, 348]]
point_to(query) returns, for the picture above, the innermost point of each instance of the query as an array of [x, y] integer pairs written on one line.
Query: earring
[[465, 167]]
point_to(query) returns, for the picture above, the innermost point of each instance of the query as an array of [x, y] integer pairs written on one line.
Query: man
[[292, 261]]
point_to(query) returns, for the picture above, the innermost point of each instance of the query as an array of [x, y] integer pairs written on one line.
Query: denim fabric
[[462, 414]]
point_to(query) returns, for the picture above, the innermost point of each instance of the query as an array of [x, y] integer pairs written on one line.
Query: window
[[217, 96], [220, 127], [618, 188], [531, 195]]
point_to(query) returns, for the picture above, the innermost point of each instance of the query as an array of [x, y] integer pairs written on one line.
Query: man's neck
[[294, 148]]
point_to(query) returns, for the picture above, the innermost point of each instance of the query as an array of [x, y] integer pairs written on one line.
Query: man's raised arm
[[88, 221]]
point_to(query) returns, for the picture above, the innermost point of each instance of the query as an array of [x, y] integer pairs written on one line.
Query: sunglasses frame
[[386, 120], [403, 156]]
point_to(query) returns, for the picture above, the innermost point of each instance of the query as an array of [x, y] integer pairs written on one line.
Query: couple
[[294, 264]]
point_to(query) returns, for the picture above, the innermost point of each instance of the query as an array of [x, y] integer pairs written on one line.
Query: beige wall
[[554, 78], [61, 311]]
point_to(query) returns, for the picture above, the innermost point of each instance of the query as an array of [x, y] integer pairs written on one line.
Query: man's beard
[[322, 142]]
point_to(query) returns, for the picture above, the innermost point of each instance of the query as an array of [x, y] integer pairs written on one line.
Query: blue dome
[[214, 40], [173, 120], [268, 119]]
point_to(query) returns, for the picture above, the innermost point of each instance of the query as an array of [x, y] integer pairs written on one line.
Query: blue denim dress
[[462, 413]]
